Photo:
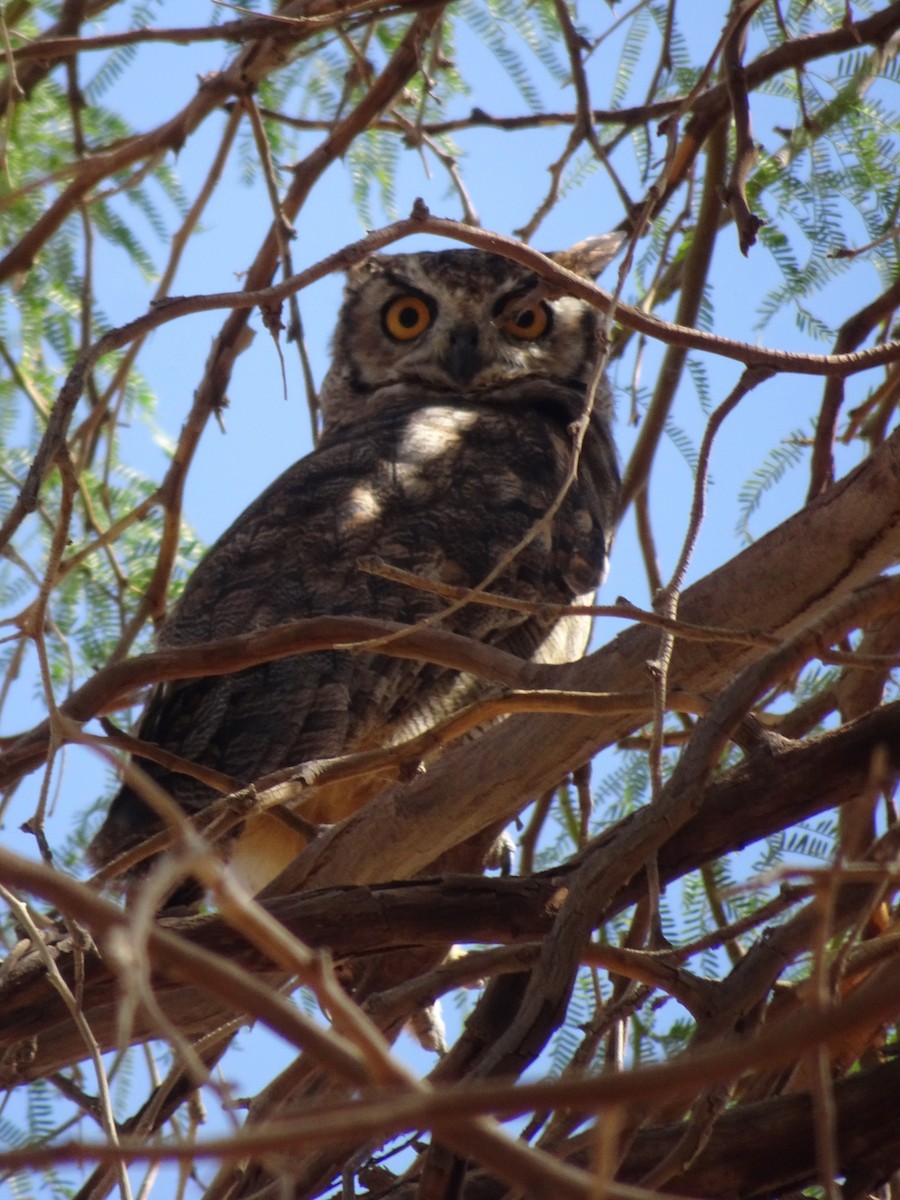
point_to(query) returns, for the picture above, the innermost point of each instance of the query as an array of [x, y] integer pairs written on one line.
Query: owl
[[459, 397]]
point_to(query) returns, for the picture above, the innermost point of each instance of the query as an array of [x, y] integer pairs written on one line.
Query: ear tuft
[[588, 258]]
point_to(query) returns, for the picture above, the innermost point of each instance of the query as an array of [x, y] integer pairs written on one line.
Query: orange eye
[[406, 317], [530, 323]]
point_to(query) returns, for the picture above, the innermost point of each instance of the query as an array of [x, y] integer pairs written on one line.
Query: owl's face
[[454, 322]]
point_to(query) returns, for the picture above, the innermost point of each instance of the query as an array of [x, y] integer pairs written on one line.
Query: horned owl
[[450, 418]]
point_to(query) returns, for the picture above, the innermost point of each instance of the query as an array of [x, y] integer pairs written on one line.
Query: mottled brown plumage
[[442, 447]]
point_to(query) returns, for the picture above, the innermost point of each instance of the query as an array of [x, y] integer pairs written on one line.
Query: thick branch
[[732, 1164], [771, 790]]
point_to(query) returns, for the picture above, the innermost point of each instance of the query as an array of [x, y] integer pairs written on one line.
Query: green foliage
[[40, 1120], [683, 442], [816, 840], [682, 73], [373, 165], [42, 329], [493, 25], [578, 172], [834, 173], [782, 458], [568, 1038], [700, 376], [630, 57]]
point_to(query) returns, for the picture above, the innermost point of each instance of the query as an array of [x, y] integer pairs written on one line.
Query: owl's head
[[458, 323]]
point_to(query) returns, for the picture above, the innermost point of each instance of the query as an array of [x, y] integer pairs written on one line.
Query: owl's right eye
[[406, 317]]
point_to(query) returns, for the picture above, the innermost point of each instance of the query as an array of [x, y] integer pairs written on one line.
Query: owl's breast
[[478, 487], [429, 452]]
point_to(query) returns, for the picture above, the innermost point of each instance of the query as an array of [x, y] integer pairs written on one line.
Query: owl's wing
[[423, 490]]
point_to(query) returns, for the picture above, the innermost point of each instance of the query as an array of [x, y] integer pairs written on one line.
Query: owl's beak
[[464, 359]]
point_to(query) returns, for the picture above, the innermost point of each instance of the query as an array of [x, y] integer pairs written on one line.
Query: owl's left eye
[[529, 323], [406, 317]]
